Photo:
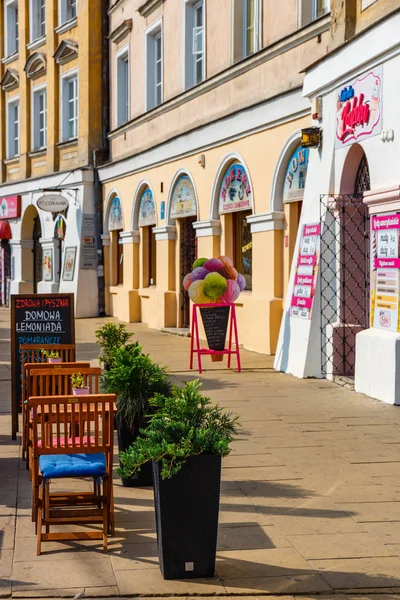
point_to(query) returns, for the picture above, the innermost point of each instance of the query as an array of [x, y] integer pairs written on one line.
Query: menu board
[[37, 319], [306, 272], [385, 270], [215, 321]]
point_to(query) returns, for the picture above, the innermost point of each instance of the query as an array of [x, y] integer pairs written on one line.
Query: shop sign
[[359, 109], [183, 202], [88, 246], [10, 207], [295, 179], [53, 203], [115, 216], [385, 275], [147, 209], [306, 272], [235, 193]]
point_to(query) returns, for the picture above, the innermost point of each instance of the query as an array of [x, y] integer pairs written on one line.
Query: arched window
[[116, 227], [147, 220], [235, 202]]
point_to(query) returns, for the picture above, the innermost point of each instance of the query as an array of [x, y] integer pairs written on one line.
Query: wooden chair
[[27, 392], [52, 382], [57, 455]]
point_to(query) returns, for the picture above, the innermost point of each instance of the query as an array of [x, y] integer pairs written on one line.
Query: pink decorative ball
[[232, 292], [187, 281], [213, 264]]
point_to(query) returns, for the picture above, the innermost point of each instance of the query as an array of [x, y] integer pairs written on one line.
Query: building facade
[[51, 130], [345, 319], [205, 159]]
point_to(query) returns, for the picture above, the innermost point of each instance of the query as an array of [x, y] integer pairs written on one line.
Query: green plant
[[50, 354], [183, 425], [77, 380], [135, 378], [110, 337]]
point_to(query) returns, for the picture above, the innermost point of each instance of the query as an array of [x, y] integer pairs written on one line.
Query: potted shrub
[[135, 379], [110, 337], [185, 440], [79, 387], [52, 356]]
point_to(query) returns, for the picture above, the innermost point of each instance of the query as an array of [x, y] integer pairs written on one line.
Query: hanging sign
[[147, 209], [115, 216], [295, 179], [385, 271], [359, 109], [306, 272], [53, 203], [10, 207], [183, 202], [235, 193]]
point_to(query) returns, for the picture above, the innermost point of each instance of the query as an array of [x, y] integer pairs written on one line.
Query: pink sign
[[385, 222], [384, 263], [359, 108], [312, 229], [10, 207], [308, 261], [303, 280], [302, 302]]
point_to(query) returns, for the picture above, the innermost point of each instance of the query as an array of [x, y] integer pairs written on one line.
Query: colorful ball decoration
[[199, 262], [196, 293], [241, 281], [187, 281], [214, 286], [199, 273], [214, 280], [213, 264], [232, 292]]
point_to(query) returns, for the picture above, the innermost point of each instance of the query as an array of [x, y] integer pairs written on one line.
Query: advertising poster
[[235, 193], [69, 263], [306, 272], [385, 261], [48, 265], [89, 247]]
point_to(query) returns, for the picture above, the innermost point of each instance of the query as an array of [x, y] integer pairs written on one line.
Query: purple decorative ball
[[198, 274], [241, 282]]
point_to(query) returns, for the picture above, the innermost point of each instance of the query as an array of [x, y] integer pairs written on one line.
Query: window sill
[[11, 161], [68, 144], [67, 26], [9, 59], [38, 153], [37, 43], [313, 21], [114, 289]]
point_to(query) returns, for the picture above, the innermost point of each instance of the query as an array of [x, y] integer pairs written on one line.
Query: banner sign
[[359, 109], [10, 207], [235, 193], [385, 271], [306, 272]]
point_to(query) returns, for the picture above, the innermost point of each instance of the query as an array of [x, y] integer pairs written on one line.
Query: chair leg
[[105, 521], [39, 521], [111, 509]]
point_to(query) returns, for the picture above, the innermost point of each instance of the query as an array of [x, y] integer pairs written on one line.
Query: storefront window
[[243, 246], [147, 220], [120, 260]]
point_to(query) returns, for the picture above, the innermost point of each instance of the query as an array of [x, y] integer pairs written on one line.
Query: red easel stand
[[195, 348]]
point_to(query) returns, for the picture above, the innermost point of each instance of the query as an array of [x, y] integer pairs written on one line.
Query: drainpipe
[[100, 156]]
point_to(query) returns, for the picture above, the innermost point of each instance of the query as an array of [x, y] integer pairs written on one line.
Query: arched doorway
[[37, 254], [30, 264], [59, 235], [183, 211]]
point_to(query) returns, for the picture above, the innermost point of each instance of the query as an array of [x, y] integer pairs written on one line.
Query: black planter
[[187, 508], [126, 437]]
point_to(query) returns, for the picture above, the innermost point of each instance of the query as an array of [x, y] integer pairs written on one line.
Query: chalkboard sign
[[37, 319], [215, 321]]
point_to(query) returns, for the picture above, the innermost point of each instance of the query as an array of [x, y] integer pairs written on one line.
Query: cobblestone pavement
[[310, 500]]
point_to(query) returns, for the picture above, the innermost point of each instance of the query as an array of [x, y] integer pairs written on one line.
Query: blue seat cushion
[[72, 465]]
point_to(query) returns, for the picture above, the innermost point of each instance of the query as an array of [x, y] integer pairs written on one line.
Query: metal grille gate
[[188, 256], [344, 280]]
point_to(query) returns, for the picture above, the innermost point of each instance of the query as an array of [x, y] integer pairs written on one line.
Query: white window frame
[[151, 34], [35, 133], [35, 24], [313, 10], [63, 7], [12, 101], [64, 78], [239, 30], [188, 50], [9, 51], [119, 57], [366, 4]]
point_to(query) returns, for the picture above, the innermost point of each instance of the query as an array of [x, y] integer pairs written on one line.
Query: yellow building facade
[[212, 107], [51, 125]]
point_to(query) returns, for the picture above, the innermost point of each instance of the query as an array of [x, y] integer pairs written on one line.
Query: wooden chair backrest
[[29, 367], [51, 382], [52, 417], [32, 353]]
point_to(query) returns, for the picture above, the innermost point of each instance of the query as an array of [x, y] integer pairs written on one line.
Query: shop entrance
[[5, 270], [37, 254], [188, 254], [344, 268]]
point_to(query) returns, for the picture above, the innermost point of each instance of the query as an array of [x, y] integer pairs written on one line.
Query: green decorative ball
[[214, 286], [199, 262]]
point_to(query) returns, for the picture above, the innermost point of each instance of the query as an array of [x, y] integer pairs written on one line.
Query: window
[[120, 260], [149, 256], [243, 245], [39, 119], [123, 88], [11, 37], [68, 10], [194, 44], [69, 108], [13, 129], [38, 19], [310, 10], [154, 68], [246, 28]]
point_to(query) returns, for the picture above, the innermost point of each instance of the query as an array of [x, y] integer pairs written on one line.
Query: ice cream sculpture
[[214, 281]]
